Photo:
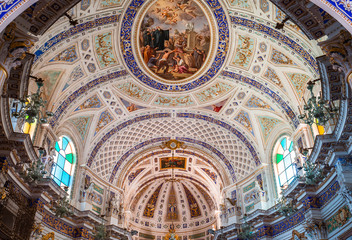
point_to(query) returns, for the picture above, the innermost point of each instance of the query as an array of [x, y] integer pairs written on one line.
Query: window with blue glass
[[284, 158], [64, 162]]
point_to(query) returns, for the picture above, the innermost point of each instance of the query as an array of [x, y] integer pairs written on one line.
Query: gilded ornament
[[48, 236], [173, 144]]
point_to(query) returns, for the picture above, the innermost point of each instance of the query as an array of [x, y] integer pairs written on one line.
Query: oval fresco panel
[[132, 43], [174, 39]]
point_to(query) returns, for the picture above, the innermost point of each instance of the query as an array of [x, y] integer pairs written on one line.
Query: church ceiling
[[243, 93], [155, 201]]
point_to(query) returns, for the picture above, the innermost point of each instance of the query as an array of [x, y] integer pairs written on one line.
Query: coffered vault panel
[[227, 143]]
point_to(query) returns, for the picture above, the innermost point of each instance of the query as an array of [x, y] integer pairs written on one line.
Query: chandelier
[[246, 231], [32, 105], [287, 207], [36, 172], [316, 109]]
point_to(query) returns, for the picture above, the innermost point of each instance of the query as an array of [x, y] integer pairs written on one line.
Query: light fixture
[[313, 174], [35, 173], [281, 25], [286, 207], [70, 19], [31, 107], [316, 109], [62, 207], [246, 230]]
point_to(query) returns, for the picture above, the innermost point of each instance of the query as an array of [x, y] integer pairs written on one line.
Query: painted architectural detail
[[243, 118], [51, 78], [271, 75], [104, 50], [267, 125], [109, 3], [211, 174], [215, 91], [343, 7], [133, 175], [249, 187], [338, 219], [193, 205], [92, 102], [206, 196], [104, 119], [172, 209], [279, 58], [256, 102], [299, 81], [252, 197], [134, 91], [264, 6], [174, 101], [62, 36], [76, 74], [294, 46], [244, 4], [137, 198], [150, 207], [244, 51], [263, 47], [85, 4], [130, 106], [68, 55], [82, 125], [85, 44]]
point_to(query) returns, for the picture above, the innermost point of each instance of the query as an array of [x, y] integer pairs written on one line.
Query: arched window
[[64, 162], [284, 158]]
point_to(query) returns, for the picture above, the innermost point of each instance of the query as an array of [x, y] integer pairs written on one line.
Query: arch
[[209, 119], [156, 140]]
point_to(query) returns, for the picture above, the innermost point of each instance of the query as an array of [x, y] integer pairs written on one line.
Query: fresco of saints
[[174, 39]]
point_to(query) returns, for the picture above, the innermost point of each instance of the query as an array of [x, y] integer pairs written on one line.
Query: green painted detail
[[250, 207], [279, 158], [340, 218], [249, 187], [96, 209], [69, 158], [98, 189]]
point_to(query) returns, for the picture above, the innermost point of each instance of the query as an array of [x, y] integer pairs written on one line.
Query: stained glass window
[[64, 162], [284, 159]]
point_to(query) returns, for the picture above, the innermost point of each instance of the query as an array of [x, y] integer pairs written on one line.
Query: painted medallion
[[174, 39]]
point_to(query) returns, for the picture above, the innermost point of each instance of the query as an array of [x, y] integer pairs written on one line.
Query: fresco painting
[[174, 39], [176, 162]]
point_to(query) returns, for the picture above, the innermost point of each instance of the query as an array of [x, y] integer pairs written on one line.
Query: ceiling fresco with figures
[[216, 75]]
